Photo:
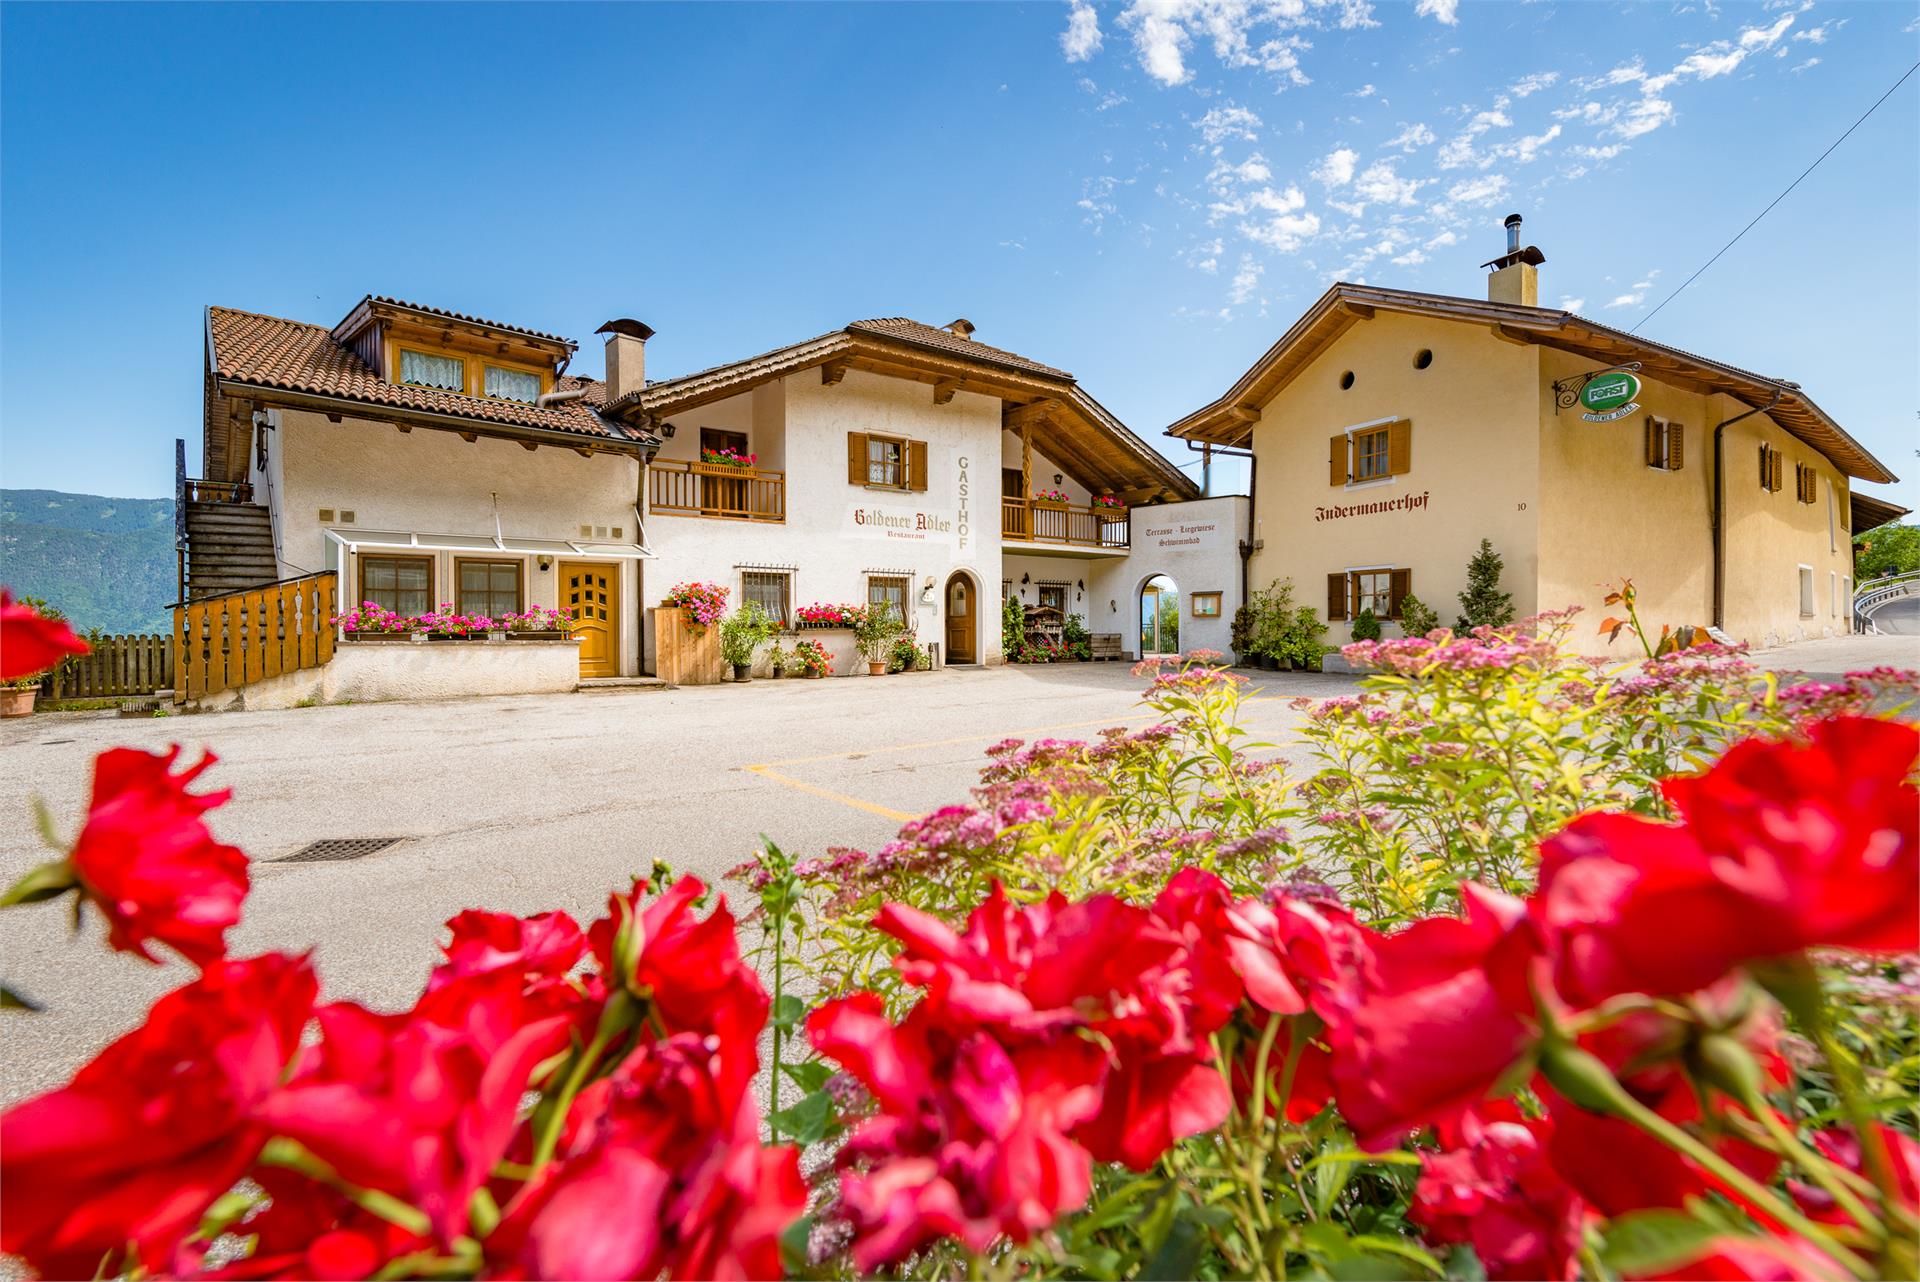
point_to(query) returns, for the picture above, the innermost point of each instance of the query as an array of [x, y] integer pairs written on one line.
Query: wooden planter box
[[685, 653], [543, 635]]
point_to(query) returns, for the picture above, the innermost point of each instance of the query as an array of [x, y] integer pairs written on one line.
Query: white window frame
[[1354, 482], [1663, 427], [1806, 591], [1354, 605]]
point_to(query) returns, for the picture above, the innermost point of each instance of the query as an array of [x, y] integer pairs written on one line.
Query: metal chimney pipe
[[1513, 233]]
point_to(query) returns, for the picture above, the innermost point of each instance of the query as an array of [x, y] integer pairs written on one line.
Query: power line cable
[[1777, 199]]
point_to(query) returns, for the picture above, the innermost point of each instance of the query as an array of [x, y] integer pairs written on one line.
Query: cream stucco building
[[1391, 431]]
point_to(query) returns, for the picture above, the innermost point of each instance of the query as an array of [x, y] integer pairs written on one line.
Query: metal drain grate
[[338, 849]]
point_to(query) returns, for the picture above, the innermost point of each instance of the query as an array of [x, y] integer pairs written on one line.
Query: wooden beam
[[832, 372], [469, 437], [1039, 411], [583, 453], [1363, 311], [1241, 414], [528, 445], [944, 389], [1513, 336], [404, 428]]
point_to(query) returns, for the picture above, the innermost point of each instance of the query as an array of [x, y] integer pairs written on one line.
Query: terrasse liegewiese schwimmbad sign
[[1609, 397]]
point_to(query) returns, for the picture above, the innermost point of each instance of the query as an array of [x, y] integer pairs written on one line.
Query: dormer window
[[431, 369], [511, 384]]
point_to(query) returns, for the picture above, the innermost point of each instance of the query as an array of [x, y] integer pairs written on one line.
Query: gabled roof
[[1067, 425], [1228, 419], [384, 303], [246, 349]]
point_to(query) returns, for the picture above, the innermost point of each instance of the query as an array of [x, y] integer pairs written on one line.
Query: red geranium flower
[[1496, 1190], [147, 861], [30, 641], [145, 1138], [1443, 1012], [1785, 846]]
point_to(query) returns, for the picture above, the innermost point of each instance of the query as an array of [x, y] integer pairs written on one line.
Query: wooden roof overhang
[[1229, 420], [243, 397], [1868, 513], [1065, 424], [453, 331]]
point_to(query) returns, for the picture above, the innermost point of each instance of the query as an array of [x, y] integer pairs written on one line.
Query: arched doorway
[[963, 609], [1159, 617]]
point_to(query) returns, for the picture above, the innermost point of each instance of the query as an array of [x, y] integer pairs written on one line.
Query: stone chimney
[[626, 356], [1516, 274]]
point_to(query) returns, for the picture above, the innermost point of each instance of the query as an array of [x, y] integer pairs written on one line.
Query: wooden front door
[[960, 620], [590, 595]]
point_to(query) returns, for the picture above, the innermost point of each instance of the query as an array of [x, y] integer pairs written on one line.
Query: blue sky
[[1145, 194]]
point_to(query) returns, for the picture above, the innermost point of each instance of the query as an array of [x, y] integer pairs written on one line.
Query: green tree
[[1891, 549], [1483, 604], [1416, 616]]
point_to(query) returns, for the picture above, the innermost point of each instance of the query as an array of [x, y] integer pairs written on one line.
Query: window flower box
[[1108, 505], [1050, 498], [826, 615], [725, 460]]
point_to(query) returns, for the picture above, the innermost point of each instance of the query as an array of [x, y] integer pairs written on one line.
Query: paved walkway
[[1831, 656]]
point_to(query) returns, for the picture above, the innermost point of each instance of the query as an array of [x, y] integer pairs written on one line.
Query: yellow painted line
[[899, 816]]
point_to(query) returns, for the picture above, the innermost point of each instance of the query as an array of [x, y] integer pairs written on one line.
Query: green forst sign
[[1610, 395]]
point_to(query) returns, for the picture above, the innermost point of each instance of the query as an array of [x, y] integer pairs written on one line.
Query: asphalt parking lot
[[519, 805]]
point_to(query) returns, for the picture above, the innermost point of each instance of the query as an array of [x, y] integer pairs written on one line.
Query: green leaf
[[1392, 1157], [1653, 1241], [794, 1240], [14, 999], [1179, 1252], [809, 1075], [43, 882], [227, 1210], [1464, 1265], [805, 1123], [43, 820], [788, 1011], [1401, 1247]]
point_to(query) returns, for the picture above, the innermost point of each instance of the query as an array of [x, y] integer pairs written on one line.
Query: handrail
[[233, 639], [180, 514], [1867, 600], [1027, 521], [680, 487]]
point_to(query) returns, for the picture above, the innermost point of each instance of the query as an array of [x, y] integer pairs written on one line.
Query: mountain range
[[107, 563]]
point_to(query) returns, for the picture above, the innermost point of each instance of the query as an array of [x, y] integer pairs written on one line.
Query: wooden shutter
[[1400, 587], [1399, 447], [1676, 446], [1337, 448], [1776, 469], [856, 458], [1337, 596], [1653, 441], [916, 465]]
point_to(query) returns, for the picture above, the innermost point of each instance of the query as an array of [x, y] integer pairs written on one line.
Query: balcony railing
[[1024, 521], [717, 491]]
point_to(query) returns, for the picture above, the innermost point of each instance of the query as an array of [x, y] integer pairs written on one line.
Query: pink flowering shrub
[[705, 603], [1050, 496], [821, 614], [370, 616], [539, 618]]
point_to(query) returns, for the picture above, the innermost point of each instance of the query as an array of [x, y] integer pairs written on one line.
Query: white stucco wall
[[800, 426], [433, 482], [384, 671], [1197, 545]]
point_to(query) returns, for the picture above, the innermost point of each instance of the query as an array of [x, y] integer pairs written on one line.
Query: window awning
[[390, 540]]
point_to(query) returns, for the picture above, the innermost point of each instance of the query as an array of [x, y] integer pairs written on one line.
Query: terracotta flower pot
[[17, 701], [877, 668], [815, 676]]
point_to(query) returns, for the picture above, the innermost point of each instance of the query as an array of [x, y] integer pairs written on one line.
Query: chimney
[[1516, 273], [626, 356]]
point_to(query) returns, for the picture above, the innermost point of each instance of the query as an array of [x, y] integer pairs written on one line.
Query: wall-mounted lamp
[[1059, 479], [926, 593], [667, 430], [546, 563]]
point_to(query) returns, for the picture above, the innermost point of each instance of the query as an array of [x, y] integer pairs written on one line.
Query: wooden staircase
[[229, 547]]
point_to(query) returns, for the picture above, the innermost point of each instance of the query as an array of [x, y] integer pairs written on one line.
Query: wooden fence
[[130, 664], [224, 642], [685, 654]]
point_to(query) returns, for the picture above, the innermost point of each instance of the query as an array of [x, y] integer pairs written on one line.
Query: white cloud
[[1527, 86], [1412, 258], [1245, 280], [1379, 184], [1240, 33], [1644, 117], [1160, 41], [1572, 304], [1527, 149], [1082, 39], [1223, 177], [1444, 239], [1442, 11], [1636, 296], [1337, 169], [1222, 123], [1607, 152], [1286, 233], [1483, 190], [1804, 66], [1818, 35], [1414, 135], [1364, 91]]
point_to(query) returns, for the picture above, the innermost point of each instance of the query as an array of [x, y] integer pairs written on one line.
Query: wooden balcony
[[716, 491], [1024, 521]]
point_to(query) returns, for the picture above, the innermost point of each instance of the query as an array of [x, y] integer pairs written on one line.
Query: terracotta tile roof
[[471, 320], [912, 331], [269, 351]]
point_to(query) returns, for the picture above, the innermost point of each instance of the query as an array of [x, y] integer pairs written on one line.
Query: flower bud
[[1727, 1064], [1580, 1076]]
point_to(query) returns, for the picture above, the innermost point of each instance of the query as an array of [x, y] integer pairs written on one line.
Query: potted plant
[[1050, 498], [729, 458], [874, 632], [371, 621], [18, 694], [1109, 505], [812, 658], [742, 633], [777, 661], [537, 623], [904, 655], [701, 604], [824, 615]]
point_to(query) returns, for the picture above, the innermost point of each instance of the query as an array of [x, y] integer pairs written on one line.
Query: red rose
[[1497, 1191], [543, 947], [1785, 847], [147, 861], [161, 1123], [30, 641], [1442, 1013]]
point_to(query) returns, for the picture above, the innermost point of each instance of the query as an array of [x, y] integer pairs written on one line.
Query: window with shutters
[[1373, 590], [771, 591], [1771, 469], [1376, 588], [886, 462], [1806, 484], [1370, 454], [1666, 444]]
